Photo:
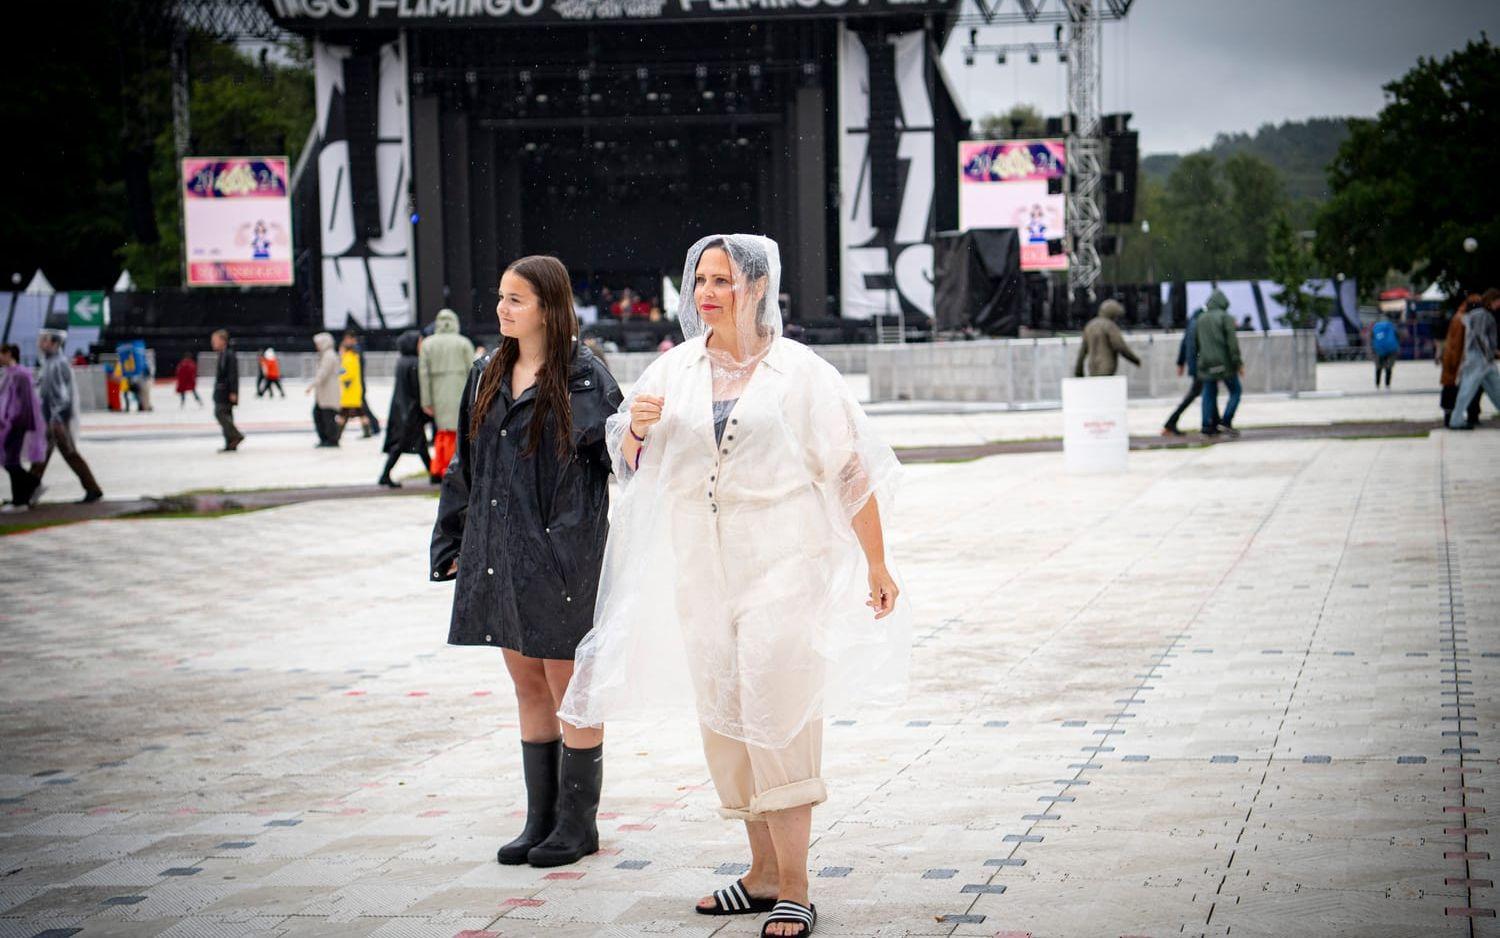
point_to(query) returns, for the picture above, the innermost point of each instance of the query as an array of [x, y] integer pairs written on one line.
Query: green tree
[[1021, 122], [1195, 233], [1256, 198], [1411, 185], [1292, 264]]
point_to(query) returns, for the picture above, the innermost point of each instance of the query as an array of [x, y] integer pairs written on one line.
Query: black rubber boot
[[576, 834], [540, 762]]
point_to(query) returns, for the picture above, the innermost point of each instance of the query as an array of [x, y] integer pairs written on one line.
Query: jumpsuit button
[[724, 451], [710, 478], [488, 638], [729, 437], [568, 598], [436, 575], [716, 509], [493, 503], [546, 530], [734, 421], [490, 570], [588, 384], [502, 432]]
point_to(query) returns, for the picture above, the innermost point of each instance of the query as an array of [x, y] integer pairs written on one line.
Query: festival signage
[[237, 221], [1005, 184], [386, 14]]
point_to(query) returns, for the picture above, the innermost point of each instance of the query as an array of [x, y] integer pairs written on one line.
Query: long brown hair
[[554, 292]]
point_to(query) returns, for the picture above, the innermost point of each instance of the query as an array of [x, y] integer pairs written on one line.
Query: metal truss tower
[[1086, 155]]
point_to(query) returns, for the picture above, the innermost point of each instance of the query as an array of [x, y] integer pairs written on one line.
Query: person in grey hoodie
[[325, 390], [59, 393], [1478, 371]]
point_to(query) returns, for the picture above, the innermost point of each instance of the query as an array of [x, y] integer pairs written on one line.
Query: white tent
[[125, 284], [1433, 294], [40, 285]]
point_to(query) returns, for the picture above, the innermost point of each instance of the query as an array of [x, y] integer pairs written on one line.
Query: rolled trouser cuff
[[808, 791]]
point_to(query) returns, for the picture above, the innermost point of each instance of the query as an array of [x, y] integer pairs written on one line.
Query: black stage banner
[[388, 14]]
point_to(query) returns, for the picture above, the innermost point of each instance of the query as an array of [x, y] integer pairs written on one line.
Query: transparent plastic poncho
[[733, 581]]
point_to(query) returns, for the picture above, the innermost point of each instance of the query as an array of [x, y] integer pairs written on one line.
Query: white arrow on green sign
[[86, 308]]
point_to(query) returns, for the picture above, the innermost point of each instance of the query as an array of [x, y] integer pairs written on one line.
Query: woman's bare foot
[[759, 883], [790, 892]]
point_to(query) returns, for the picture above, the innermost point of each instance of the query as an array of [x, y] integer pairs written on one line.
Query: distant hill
[[1300, 150]]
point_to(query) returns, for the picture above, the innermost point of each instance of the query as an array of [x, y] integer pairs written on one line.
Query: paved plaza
[[1241, 690]]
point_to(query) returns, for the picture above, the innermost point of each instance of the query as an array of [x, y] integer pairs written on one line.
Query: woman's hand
[[883, 591], [453, 568], [645, 413]]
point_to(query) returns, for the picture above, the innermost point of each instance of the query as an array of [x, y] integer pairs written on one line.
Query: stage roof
[[320, 15]]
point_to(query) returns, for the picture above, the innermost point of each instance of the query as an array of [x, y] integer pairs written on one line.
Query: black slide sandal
[[736, 900], [792, 913]]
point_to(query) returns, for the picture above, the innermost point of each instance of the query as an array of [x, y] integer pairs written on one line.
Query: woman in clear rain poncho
[[745, 569]]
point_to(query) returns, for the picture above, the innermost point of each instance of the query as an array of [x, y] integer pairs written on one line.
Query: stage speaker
[[361, 87], [885, 168], [1124, 164]]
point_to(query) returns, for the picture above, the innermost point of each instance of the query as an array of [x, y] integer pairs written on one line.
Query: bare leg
[[559, 672], [533, 698], [763, 880], [790, 831]]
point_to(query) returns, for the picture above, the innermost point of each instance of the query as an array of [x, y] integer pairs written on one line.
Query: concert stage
[[456, 136]]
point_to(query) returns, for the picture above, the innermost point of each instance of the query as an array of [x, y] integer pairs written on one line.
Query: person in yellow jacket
[[352, 386]]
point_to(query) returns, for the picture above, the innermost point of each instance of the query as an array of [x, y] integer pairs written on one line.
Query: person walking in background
[[352, 386], [187, 380], [1187, 361], [1218, 360], [406, 425], [1385, 342], [1451, 359], [23, 431], [270, 373], [226, 390], [1478, 371], [59, 393], [1103, 343], [443, 369], [325, 391], [367, 418]]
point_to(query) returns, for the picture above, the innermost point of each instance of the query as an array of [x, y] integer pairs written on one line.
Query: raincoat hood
[[323, 341], [1217, 300], [446, 321], [1111, 309], [407, 344]]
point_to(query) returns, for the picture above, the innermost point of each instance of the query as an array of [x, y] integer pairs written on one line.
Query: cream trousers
[[752, 780]]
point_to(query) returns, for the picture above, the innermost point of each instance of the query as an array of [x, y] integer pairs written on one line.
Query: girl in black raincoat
[[522, 523], [405, 427]]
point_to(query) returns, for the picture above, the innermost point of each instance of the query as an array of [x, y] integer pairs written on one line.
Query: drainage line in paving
[[1296, 681], [1152, 673], [1452, 631]]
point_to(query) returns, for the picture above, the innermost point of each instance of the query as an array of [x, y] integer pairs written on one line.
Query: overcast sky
[[1189, 69]]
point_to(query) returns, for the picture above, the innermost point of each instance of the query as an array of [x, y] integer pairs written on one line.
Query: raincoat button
[[502, 432], [588, 384], [436, 575], [493, 503], [490, 570], [568, 598], [729, 437], [710, 478], [734, 421], [724, 451], [488, 638]]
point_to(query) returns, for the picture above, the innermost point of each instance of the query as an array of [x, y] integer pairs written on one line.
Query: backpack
[[1383, 338]]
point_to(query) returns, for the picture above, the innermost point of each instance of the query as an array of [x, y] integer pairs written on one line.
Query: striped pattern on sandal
[[793, 913], [736, 900]]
